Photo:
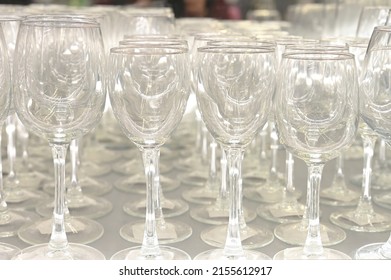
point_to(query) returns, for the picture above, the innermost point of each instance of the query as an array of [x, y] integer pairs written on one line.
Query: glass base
[[203, 195], [90, 169], [212, 215], [89, 185], [136, 184], [267, 193], [97, 153], [134, 167], [13, 220], [72, 252], [169, 232], [23, 199], [166, 253], [252, 178], [78, 229], [171, 208], [372, 252], [86, 206], [283, 212], [194, 179], [252, 236], [378, 181], [192, 163], [336, 196], [296, 233], [383, 200], [373, 221], [27, 180], [297, 253], [8, 251], [219, 254]]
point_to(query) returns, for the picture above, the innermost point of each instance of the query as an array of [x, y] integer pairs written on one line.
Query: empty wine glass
[[316, 112], [235, 89], [148, 88], [374, 104], [59, 95]]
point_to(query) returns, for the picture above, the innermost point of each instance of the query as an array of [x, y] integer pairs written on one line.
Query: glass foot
[[85, 206], [89, 185], [383, 200], [23, 199], [283, 212], [13, 220], [171, 208], [336, 196], [214, 215], [373, 251], [90, 169], [297, 253], [134, 167], [99, 154], [362, 221], [78, 229], [72, 252], [252, 236], [378, 181], [219, 254], [136, 184], [169, 232], [166, 253], [296, 233], [267, 193], [8, 251], [194, 179], [203, 195]]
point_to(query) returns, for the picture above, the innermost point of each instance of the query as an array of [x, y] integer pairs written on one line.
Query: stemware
[[235, 88], [374, 108], [59, 95], [316, 112], [7, 217], [21, 186], [148, 88]]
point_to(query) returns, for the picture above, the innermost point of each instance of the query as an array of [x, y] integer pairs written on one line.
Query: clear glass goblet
[[316, 112], [148, 88], [59, 95], [235, 89], [374, 107]]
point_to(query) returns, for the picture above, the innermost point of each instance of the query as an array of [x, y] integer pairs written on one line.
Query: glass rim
[[152, 43], [318, 55], [382, 27], [10, 17], [237, 49], [131, 50], [61, 20]]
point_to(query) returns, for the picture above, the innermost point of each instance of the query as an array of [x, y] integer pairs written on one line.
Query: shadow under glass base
[[219, 254], [169, 232], [72, 252], [297, 253], [166, 253]]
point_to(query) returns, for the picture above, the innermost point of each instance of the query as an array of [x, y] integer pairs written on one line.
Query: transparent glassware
[[234, 111], [374, 111], [21, 190], [316, 124], [8, 251], [59, 100], [10, 219], [157, 94]]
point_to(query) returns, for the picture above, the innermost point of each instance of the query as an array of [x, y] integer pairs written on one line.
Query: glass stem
[[289, 188], [204, 144], [313, 244], [340, 177], [233, 244], [212, 178], [365, 202], [150, 244], [273, 176], [74, 190], [158, 195], [263, 135], [222, 198], [23, 136], [11, 150], [3, 203], [58, 238]]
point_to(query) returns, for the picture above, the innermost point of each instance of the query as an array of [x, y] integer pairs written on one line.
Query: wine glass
[[316, 112], [374, 105], [148, 88], [235, 89], [59, 95], [21, 186]]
